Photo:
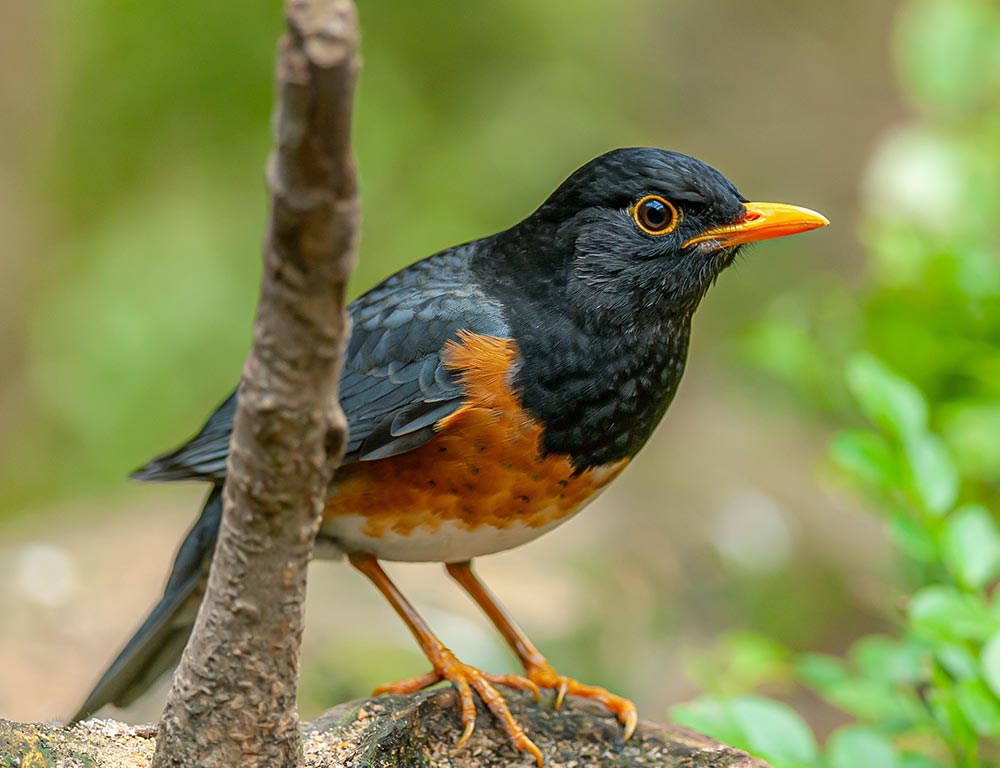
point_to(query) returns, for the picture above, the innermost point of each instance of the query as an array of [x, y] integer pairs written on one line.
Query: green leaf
[[856, 746], [866, 457], [979, 706], [890, 661], [945, 612], [949, 716], [712, 716], [870, 697], [912, 537], [957, 660], [990, 662], [774, 732], [971, 546], [822, 672], [919, 760], [972, 432], [869, 700], [889, 400], [932, 472]]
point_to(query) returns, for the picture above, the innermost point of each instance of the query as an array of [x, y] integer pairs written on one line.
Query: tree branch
[[233, 696]]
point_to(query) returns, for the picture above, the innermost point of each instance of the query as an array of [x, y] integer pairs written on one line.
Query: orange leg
[[464, 677], [536, 667]]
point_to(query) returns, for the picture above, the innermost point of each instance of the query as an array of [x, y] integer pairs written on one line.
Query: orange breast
[[483, 470]]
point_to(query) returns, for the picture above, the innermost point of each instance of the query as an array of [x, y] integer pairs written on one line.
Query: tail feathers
[[159, 642], [203, 457]]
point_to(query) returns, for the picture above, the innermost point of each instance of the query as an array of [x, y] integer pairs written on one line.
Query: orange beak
[[763, 221]]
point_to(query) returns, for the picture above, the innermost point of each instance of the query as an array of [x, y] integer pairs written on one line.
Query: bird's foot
[[544, 676], [467, 679]]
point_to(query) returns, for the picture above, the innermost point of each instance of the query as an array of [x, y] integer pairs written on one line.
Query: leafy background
[[802, 561]]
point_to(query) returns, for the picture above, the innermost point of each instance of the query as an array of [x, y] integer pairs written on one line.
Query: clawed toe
[[518, 682], [622, 708], [467, 679], [410, 685]]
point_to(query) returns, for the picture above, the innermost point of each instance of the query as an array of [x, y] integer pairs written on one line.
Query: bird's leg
[[464, 677], [536, 667]]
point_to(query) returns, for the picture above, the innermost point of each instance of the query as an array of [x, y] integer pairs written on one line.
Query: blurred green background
[[132, 205]]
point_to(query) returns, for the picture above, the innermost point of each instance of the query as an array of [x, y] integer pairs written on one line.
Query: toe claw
[[563, 689], [470, 726], [529, 746], [630, 719], [546, 677], [535, 691]]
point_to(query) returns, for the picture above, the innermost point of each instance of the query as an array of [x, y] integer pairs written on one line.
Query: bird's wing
[[394, 386]]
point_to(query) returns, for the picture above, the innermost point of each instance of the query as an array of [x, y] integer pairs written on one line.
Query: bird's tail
[[159, 642]]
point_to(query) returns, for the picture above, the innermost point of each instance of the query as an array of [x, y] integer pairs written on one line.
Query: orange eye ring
[[655, 216]]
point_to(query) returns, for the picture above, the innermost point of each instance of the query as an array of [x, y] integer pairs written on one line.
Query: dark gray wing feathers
[[394, 387]]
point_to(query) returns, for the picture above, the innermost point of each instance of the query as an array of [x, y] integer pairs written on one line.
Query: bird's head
[[647, 229]]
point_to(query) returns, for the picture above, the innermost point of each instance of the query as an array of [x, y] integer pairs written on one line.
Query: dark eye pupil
[[655, 214]]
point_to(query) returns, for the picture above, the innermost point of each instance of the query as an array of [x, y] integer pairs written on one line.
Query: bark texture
[[233, 696], [416, 730]]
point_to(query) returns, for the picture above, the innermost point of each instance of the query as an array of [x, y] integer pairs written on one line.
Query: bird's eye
[[655, 216]]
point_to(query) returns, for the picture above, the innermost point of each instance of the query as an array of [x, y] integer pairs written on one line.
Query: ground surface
[[417, 730]]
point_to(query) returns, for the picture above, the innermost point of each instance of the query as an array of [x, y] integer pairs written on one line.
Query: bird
[[492, 390]]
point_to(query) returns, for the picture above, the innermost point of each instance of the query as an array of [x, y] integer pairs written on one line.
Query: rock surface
[[415, 730]]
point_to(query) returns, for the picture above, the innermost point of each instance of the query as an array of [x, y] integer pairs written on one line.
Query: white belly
[[448, 542]]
